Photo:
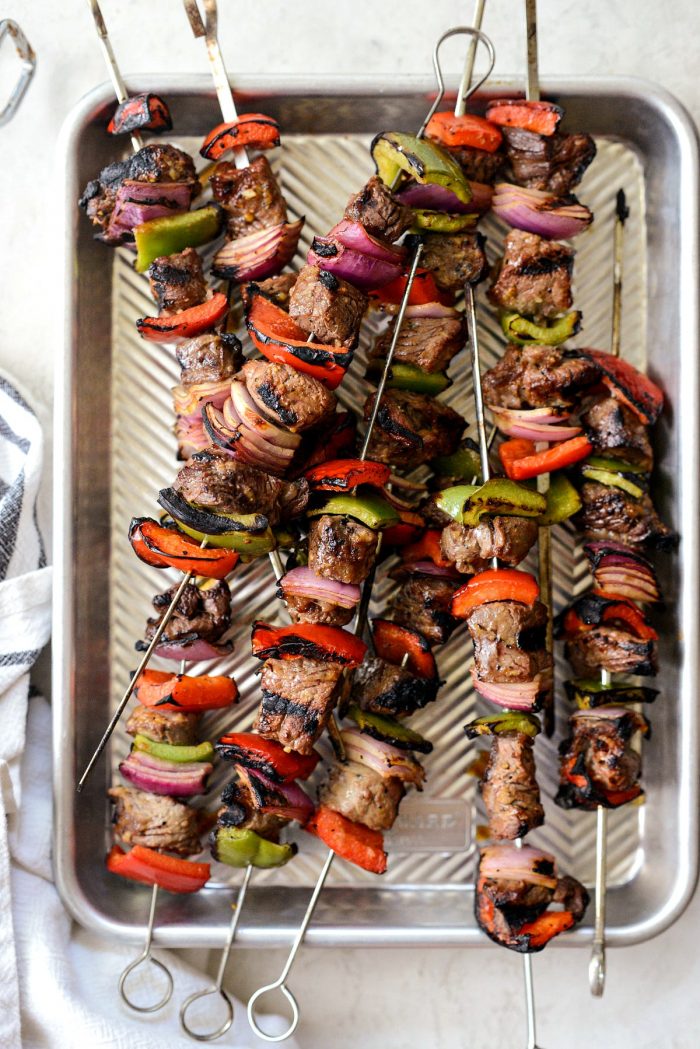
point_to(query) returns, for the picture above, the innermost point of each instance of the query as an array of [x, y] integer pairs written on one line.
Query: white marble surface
[[440, 998]]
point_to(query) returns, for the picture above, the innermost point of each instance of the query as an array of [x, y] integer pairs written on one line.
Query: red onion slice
[[353, 235], [537, 211], [299, 805], [528, 864], [258, 255], [303, 582], [195, 650], [536, 424], [433, 197], [432, 310], [251, 416], [244, 444], [182, 782], [189, 398], [382, 757], [138, 202], [521, 695], [430, 568], [364, 271]]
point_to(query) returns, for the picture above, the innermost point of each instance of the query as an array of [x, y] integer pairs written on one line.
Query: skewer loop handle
[[204, 1036], [252, 1019], [596, 970], [146, 956]]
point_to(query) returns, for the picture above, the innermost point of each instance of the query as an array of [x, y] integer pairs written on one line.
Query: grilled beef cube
[[555, 163], [206, 613], [243, 798], [307, 610], [378, 210], [610, 513], [292, 399], [329, 307], [383, 688], [599, 750], [224, 485], [164, 726], [608, 648], [503, 905], [509, 787], [155, 820], [412, 428], [250, 196], [478, 165], [471, 549], [177, 281], [535, 276], [428, 342], [538, 377], [341, 548], [276, 289], [209, 358], [455, 259], [612, 427], [362, 795], [509, 641], [298, 697], [423, 603]]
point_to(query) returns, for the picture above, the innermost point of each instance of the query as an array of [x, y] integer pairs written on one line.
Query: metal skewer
[[144, 957], [112, 67]]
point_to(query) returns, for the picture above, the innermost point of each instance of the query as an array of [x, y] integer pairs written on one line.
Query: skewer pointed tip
[[621, 209]]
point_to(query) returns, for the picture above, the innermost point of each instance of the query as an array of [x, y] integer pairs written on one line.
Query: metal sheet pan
[[114, 449]]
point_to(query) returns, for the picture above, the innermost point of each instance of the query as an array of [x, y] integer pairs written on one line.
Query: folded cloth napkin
[[58, 983]]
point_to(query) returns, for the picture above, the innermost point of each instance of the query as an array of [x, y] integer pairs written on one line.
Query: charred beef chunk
[[276, 289], [341, 548], [378, 210], [382, 688], [535, 276], [164, 726], [155, 820], [412, 428], [362, 795], [298, 697], [455, 259], [509, 641], [209, 358], [612, 428], [177, 281], [608, 648], [307, 610], [290, 398], [478, 165], [243, 797], [510, 539], [598, 750], [538, 377], [428, 342], [502, 906], [329, 307], [224, 485], [206, 613], [610, 513], [423, 603], [250, 196], [549, 162], [509, 787]]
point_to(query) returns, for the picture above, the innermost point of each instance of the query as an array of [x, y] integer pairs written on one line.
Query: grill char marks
[[298, 697], [308, 610], [509, 787], [382, 688], [328, 307], [455, 259], [209, 358], [612, 428], [177, 281], [510, 539], [548, 162], [610, 513], [599, 750], [205, 613], [243, 798], [250, 197], [412, 425], [341, 548], [428, 342], [509, 641], [423, 604], [608, 648], [535, 276], [478, 165], [224, 485], [295, 400], [538, 377], [379, 211]]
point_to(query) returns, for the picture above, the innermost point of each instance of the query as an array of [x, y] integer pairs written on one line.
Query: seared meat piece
[[298, 697], [412, 428], [177, 281], [209, 358], [378, 210], [471, 549], [155, 820], [572, 895], [250, 196], [206, 613], [307, 610], [386, 689], [224, 485], [608, 648], [243, 798], [423, 603], [478, 165], [610, 513], [329, 307], [455, 259], [428, 342], [535, 276], [295, 400], [277, 289], [362, 795], [341, 548], [164, 726], [509, 641], [538, 377], [550, 162], [612, 427], [598, 751], [509, 787]]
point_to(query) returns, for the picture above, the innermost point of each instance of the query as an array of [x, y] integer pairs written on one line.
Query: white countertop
[[442, 999]]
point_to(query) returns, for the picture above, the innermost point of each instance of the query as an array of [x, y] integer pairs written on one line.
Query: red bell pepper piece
[[521, 460], [338, 440], [393, 643], [153, 868], [543, 929], [614, 609], [615, 799], [408, 532], [249, 131], [311, 640], [540, 117], [467, 131], [167, 691], [267, 756], [351, 841], [187, 323], [628, 385], [423, 290], [169, 548], [140, 113], [341, 475], [495, 584], [427, 548]]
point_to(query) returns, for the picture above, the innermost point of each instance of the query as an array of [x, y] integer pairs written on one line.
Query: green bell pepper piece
[[604, 462], [468, 503], [441, 221], [248, 544], [525, 332], [388, 730], [613, 480], [563, 501], [244, 848], [589, 693], [171, 752], [173, 233], [497, 724], [423, 160], [453, 500], [464, 464], [369, 508], [404, 376]]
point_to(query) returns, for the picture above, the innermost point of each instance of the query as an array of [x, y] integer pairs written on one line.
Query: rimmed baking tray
[[114, 450]]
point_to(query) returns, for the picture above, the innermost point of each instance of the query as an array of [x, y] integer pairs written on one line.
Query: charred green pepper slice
[[172, 752], [244, 848], [173, 233], [468, 503], [369, 508], [389, 730], [465, 463], [607, 462], [497, 724], [525, 332], [441, 221], [563, 501], [613, 480], [589, 693], [404, 376], [249, 534], [423, 160]]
